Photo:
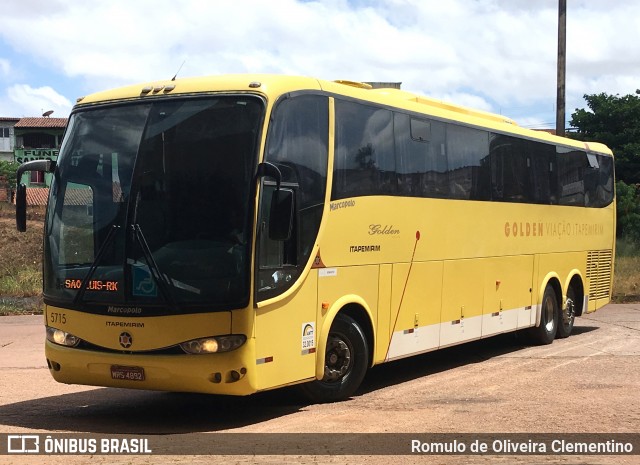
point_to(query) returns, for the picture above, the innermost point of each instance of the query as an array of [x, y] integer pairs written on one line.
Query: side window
[[510, 169], [378, 152], [297, 143], [421, 161], [543, 173], [600, 189], [37, 177], [468, 163], [364, 154], [584, 179], [5, 141], [572, 166]]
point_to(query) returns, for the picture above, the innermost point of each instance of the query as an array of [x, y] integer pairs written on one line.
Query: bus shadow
[[122, 411], [431, 363], [577, 330]]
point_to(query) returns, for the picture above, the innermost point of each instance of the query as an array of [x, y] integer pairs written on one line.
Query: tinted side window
[[584, 179], [298, 144], [599, 189], [468, 162], [378, 152], [572, 165], [421, 161], [509, 169], [543, 173], [364, 155]]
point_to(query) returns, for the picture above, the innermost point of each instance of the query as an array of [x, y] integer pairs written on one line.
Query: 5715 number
[[55, 317]]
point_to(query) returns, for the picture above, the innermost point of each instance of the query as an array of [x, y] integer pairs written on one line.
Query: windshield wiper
[[161, 279], [92, 269]]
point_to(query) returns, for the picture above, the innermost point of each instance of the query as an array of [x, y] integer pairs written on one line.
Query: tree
[[628, 211], [8, 170], [614, 121]]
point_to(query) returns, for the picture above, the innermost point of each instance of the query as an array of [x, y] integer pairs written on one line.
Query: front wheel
[[546, 332], [345, 363]]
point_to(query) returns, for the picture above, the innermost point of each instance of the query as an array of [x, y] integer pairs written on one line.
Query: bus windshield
[[150, 206]]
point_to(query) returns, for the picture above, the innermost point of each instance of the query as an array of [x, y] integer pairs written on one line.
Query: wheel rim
[[548, 313], [337, 358], [570, 312]]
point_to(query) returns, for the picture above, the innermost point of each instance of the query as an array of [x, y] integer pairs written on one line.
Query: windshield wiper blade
[[94, 266], [161, 279]]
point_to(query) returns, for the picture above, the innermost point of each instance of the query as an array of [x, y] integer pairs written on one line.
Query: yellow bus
[[240, 233]]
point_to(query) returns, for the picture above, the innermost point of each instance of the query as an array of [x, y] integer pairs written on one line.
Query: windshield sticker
[[143, 283], [328, 272]]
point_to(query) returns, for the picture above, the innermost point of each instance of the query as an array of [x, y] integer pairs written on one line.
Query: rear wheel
[[546, 332], [346, 363], [568, 315]]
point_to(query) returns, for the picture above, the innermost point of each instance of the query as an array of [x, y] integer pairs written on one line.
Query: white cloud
[[467, 100], [503, 52], [29, 101]]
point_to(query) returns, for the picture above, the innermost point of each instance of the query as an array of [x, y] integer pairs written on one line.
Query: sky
[[494, 55]]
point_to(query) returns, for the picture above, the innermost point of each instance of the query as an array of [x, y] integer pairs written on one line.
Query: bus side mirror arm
[[269, 170], [21, 190]]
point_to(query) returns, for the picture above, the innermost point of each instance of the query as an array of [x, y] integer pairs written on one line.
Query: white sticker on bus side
[[327, 272], [308, 337]]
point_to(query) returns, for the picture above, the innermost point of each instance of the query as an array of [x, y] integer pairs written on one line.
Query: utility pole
[[562, 66]]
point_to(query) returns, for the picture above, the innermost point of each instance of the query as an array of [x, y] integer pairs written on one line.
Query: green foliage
[[615, 121], [628, 211], [8, 170]]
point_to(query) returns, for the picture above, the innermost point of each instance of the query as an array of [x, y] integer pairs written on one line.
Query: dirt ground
[[583, 385]]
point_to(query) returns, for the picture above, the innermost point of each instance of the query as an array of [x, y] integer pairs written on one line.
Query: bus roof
[[272, 86]]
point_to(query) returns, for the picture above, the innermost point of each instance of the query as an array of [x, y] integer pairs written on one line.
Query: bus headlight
[[57, 336], [213, 344]]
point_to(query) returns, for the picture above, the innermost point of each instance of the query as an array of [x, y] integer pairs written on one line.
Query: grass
[[21, 265], [626, 281], [20, 262]]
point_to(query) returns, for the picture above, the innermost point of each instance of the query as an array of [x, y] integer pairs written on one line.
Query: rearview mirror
[[21, 190], [281, 215], [21, 207]]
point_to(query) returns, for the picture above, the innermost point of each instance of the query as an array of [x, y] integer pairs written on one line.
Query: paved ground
[[588, 383]]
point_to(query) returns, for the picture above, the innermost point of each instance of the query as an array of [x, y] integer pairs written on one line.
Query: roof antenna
[[176, 75]]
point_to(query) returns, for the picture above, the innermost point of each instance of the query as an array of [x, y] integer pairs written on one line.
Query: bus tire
[[346, 363], [546, 332]]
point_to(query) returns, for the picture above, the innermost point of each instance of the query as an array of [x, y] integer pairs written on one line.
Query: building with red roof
[[30, 139]]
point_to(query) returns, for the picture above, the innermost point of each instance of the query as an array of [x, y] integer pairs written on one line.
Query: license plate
[[127, 373]]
